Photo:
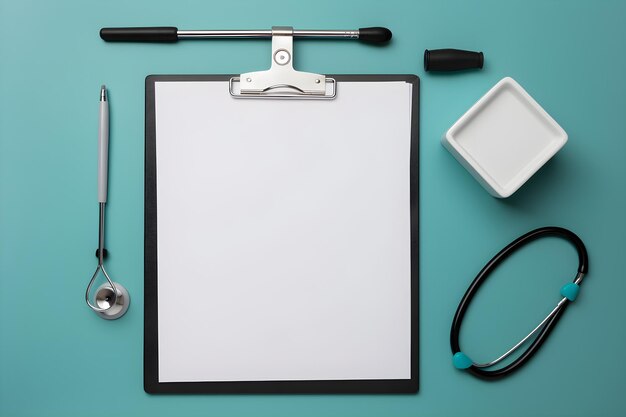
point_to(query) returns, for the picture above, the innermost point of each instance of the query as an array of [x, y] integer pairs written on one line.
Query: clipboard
[[281, 237]]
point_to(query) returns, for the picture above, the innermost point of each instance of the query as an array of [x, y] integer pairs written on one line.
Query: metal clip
[[282, 78]]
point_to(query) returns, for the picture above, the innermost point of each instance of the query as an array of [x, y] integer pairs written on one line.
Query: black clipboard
[[152, 382]]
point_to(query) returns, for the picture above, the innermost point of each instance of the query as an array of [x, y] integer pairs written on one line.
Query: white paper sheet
[[283, 234]]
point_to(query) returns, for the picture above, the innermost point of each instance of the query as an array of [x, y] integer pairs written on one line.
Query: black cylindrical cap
[[452, 60], [374, 35], [150, 34]]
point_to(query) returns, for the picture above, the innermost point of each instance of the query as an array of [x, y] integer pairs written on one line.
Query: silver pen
[[103, 146]]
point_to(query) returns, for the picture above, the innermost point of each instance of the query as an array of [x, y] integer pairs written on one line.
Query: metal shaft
[[101, 235], [521, 342], [207, 34]]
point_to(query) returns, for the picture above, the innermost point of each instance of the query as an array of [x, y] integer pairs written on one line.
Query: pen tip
[[103, 93]]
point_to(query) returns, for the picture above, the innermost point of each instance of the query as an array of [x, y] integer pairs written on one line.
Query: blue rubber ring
[[570, 291], [461, 361]]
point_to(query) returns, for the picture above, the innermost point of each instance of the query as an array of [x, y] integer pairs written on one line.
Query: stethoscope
[[111, 299], [569, 292]]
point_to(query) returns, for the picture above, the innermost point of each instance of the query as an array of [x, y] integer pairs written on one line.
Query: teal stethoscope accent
[[569, 292], [461, 361]]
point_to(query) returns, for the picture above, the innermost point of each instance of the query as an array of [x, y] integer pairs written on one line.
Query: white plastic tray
[[504, 138]]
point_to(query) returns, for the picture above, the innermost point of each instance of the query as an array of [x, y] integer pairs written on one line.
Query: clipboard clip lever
[[282, 80]]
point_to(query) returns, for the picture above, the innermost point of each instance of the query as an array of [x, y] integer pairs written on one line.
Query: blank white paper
[[283, 234]]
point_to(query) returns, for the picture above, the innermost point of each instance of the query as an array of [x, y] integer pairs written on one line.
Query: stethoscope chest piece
[[113, 305]]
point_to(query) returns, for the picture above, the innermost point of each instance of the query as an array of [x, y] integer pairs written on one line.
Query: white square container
[[504, 138]]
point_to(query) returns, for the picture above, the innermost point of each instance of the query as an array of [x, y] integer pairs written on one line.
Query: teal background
[[59, 359]]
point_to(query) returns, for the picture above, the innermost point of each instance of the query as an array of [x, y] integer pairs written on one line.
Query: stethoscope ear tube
[[568, 292]]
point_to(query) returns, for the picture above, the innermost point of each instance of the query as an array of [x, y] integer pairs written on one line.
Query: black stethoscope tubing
[[490, 267]]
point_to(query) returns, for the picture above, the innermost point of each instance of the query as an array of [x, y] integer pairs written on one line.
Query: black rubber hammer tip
[[375, 35], [452, 60]]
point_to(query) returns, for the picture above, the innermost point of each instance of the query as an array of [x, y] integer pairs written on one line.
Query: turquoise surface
[[59, 359]]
